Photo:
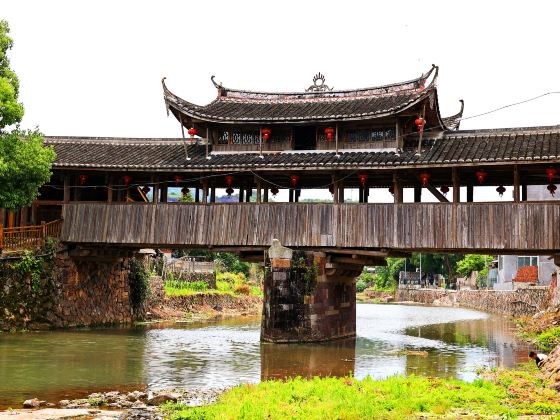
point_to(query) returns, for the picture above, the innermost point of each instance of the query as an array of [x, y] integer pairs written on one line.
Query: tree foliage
[[11, 111], [473, 262], [25, 164]]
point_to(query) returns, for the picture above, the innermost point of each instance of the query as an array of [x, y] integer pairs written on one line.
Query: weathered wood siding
[[419, 226]]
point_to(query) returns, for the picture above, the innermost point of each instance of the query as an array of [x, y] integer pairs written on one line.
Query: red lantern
[[329, 131], [501, 190], [229, 180], [420, 122], [551, 188], [392, 190], [444, 189], [229, 191], [424, 177], [265, 133], [146, 189], [185, 190], [294, 180], [83, 179], [274, 191], [550, 174], [480, 175], [177, 179], [363, 179], [192, 132], [126, 180]]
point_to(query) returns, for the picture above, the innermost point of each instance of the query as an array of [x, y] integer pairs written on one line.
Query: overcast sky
[[93, 68]]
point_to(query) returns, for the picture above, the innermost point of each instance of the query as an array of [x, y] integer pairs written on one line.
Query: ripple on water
[[391, 339]]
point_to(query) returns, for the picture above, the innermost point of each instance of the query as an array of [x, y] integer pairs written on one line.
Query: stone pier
[[307, 298]]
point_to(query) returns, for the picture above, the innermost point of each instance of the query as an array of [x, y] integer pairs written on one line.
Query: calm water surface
[[69, 364]]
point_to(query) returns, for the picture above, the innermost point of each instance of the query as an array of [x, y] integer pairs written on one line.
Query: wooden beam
[[259, 192], [213, 194], [455, 179], [516, 191], [164, 192], [155, 193], [340, 189], [374, 261], [204, 192], [437, 194], [265, 194]]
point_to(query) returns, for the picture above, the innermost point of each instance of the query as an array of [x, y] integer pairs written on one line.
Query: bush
[[242, 289], [361, 285]]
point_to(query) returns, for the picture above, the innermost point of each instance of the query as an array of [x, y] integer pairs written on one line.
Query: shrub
[[361, 285], [242, 289]]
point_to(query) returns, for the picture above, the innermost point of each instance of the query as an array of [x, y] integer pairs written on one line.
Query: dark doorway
[[304, 138]]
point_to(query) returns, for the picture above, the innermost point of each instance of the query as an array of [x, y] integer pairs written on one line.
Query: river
[[391, 339]]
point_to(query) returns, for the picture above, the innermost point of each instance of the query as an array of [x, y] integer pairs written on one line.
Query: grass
[[223, 287], [548, 339], [503, 394]]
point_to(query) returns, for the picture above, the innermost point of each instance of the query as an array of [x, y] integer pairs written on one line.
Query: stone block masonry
[[305, 301], [70, 292], [520, 302]]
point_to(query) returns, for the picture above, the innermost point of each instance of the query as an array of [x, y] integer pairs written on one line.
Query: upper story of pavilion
[[384, 118]]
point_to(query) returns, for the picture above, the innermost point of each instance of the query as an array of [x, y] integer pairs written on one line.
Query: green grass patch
[[503, 394], [548, 339]]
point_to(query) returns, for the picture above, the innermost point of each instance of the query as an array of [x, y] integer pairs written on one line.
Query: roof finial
[[216, 85], [318, 84]]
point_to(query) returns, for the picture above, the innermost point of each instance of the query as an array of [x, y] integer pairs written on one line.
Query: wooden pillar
[[335, 189], [248, 194], [297, 193], [456, 185], [2, 217], [77, 189], [155, 195], [417, 194], [265, 198], [164, 192], [241, 194], [340, 190], [291, 195], [366, 194], [11, 219], [470, 193], [66, 198], [197, 195], [204, 192], [524, 192], [109, 189], [516, 183], [397, 189], [23, 216], [34, 214], [258, 191], [213, 194], [360, 195]]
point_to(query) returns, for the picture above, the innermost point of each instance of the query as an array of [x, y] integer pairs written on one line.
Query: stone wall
[[519, 302], [306, 300], [67, 292]]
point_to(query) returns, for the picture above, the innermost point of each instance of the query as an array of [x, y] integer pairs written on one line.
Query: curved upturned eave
[[196, 112]]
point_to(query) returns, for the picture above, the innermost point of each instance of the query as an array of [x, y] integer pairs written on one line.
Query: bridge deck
[[464, 227]]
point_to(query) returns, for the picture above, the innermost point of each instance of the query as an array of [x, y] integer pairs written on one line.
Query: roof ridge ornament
[[318, 84]]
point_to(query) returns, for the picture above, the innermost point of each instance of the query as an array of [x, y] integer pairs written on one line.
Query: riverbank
[[501, 393], [515, 303], [203, 306]]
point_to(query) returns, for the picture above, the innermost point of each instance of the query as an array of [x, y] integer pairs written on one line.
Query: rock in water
[[163, 398], [34, 403]]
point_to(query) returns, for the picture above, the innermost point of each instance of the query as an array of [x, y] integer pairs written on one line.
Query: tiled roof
[[455, 148], [321, 104]]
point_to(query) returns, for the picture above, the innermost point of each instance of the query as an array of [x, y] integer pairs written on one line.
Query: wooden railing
[[507, 228], [28, 237]]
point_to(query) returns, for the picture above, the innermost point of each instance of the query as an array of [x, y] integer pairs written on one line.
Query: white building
[[509, 264]]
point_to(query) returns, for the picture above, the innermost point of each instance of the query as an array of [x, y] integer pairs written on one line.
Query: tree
[[25, 164], [473, 262]]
